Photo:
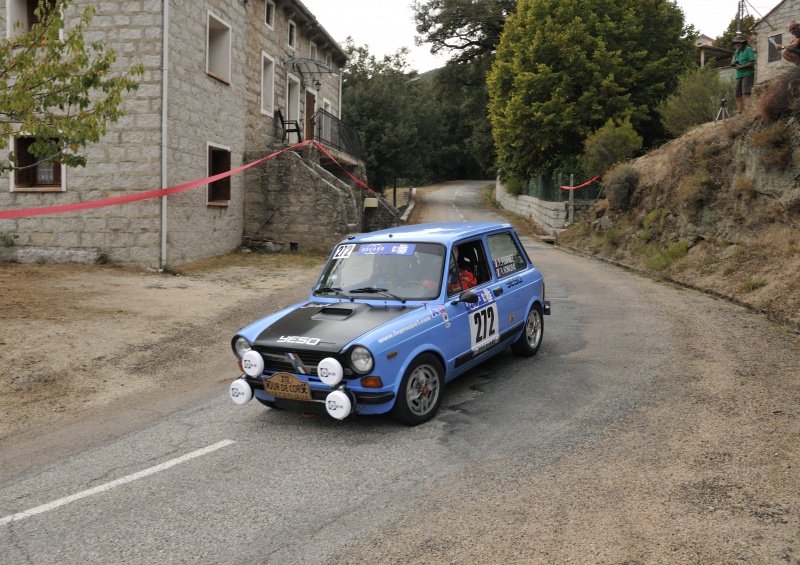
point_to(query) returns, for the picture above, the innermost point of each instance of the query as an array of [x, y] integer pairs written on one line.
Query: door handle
[[497, 291]]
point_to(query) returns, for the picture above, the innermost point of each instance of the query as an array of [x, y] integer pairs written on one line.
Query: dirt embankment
[[717, 209]]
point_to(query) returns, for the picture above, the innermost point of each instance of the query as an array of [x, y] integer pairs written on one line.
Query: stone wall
[[201, 110], [292, 199], [551, 216], [121, 163]]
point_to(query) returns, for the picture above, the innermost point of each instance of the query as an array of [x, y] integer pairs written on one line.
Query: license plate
[[284, 385]]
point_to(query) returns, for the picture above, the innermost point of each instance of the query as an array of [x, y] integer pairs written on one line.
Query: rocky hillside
[[717, 209]]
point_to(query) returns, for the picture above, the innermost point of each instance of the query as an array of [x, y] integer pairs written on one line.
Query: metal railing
[[332, 132]]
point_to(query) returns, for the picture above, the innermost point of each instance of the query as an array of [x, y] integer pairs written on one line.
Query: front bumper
[[320, 394]]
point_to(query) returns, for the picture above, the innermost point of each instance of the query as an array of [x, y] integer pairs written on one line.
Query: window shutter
[[24, 175]]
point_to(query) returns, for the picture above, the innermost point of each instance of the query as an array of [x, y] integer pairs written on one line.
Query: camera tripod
[[723, 111]]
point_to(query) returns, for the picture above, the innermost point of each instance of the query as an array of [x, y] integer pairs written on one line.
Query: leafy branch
[[56, 88]]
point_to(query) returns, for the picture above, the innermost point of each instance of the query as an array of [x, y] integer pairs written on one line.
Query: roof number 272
[[484, 324]]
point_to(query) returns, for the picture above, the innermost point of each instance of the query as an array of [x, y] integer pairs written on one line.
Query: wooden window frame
[[27, 177]]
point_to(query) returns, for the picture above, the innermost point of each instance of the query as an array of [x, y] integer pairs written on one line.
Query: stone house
[[773, 27], [219, 75], [709, 54]]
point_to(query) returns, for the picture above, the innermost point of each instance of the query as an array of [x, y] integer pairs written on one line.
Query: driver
[[460, 277]]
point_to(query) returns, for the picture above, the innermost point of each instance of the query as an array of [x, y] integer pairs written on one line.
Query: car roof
[[434, 233]]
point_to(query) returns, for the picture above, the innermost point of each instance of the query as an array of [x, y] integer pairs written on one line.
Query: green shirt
[[742, 57]]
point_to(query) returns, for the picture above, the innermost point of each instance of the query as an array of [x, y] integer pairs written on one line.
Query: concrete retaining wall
[[550, 216]]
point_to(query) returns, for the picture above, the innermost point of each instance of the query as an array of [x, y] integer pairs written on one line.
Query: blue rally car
[[394, 316]]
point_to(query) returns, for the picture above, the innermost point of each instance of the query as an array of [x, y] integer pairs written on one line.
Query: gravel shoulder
[[79, 340]]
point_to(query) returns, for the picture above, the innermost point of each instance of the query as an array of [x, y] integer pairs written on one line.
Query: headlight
[[241, 346], [361, 359]]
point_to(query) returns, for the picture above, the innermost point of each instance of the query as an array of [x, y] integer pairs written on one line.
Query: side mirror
[[467, 296]]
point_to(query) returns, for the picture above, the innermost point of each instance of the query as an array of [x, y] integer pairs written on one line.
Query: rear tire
[[531, 339], [420, 393]]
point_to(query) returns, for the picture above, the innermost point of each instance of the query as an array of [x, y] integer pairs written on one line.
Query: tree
[[613, 143], [563, 69], [393, 110], [56, 89], [696, 100], [470, 30], [747, 27]]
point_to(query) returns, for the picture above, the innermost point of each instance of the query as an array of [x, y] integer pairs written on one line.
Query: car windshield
[[394, 270]]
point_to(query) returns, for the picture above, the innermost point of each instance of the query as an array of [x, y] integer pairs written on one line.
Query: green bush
[[619, 184], [673, 252], [515, 187], [696, 100], [613, 143]]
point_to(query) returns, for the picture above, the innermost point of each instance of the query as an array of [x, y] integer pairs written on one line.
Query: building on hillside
[[225, 81], [773, 27], [709, 54]]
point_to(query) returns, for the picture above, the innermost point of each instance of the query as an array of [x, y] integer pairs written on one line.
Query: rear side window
[[507, 258]]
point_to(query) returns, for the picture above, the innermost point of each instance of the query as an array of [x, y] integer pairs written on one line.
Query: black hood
[[327, 327]]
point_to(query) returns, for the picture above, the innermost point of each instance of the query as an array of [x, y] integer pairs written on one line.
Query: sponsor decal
[[298, 339], [439, 311], [505, 265], [401, 331], [514, 282], [387, 249], [485, 297]]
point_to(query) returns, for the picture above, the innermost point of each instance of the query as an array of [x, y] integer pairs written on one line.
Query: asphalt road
[[218, 483]]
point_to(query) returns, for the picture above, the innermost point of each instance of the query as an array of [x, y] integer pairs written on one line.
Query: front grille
[[299, 362]]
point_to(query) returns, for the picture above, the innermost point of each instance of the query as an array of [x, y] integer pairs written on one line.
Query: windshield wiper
[[327, 289], [378, 290]]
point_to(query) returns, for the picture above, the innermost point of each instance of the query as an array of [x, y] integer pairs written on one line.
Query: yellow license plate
[[284, 385]]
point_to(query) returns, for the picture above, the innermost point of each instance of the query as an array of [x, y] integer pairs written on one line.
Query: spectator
[[791, 52], [744, 61]]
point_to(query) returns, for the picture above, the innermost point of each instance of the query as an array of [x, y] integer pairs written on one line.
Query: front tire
[[420, 391], [531, 339]]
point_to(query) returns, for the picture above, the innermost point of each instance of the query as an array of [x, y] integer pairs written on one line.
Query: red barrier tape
[[588, 182], [160, 192]]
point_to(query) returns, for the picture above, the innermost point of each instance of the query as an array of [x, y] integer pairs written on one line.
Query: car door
[[509, 264], [474, 327]]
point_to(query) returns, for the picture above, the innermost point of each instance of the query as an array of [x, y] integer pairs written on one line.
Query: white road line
[[108, 486]]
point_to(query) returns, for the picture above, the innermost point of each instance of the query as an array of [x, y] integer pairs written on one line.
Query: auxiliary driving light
[[253, 363], [338, 404], [330, 371], [241, 392]]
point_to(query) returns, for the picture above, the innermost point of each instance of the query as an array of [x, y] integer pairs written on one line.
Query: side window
[[292, 31], [468, 267], [269, 14], [33, 173], [507, 258], [21, 15], [218, 49], [219, 161], [267, 84], [772, 53]]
